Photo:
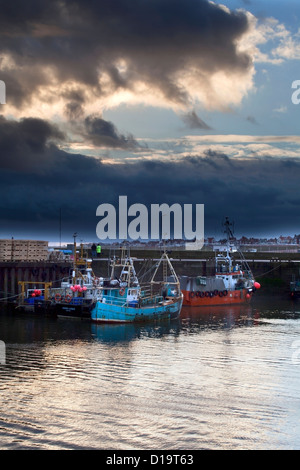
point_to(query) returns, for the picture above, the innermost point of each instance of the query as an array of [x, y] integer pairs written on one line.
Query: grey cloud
[[80, 39], [252, 120], [73, 110], [259, 194], [103, 133], [74, 107], [195, 122], [25, 144]]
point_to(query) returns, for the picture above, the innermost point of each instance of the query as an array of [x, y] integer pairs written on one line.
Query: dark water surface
[[222, 378]]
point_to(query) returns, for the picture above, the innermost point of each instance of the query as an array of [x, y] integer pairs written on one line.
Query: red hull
[[227, 298]]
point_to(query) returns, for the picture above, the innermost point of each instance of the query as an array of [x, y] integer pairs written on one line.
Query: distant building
[[23, 250]]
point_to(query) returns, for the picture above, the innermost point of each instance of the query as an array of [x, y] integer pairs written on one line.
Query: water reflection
[[29, 328], [216, 378], [217, 316], [18, 328], [112, 333]]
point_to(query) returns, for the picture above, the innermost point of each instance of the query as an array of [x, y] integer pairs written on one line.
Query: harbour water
[[217, 378]]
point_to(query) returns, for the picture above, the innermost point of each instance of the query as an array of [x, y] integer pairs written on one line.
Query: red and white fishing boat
[[232, 283]]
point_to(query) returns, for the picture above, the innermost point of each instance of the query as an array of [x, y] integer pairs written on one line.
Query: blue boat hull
[[110, 313]]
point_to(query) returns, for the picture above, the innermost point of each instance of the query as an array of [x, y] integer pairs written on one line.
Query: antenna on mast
[[228, 230], [60, 227], [74, 250]]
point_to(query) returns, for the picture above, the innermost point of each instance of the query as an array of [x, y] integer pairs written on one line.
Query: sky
[[164, 101]]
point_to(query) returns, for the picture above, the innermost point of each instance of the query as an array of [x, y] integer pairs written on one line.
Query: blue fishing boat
[[123, 299]]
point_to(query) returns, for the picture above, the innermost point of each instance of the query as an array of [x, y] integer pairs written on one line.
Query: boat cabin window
[[132, 292], [201, 281]]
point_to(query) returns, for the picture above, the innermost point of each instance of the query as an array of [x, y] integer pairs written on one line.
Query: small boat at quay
[[295, 289], [123, 299], [232, 283], [73, 297]]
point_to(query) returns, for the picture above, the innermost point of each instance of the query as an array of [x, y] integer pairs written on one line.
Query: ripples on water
[[224, 379]]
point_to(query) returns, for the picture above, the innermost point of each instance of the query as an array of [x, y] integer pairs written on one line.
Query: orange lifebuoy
[[57, 297], [122, 291], [68, 298]]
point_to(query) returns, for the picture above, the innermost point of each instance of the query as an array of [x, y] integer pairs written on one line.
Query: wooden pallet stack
[[23, 250]]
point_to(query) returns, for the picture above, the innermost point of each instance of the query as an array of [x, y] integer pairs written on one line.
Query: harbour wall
[[274, 271], [30, 272]]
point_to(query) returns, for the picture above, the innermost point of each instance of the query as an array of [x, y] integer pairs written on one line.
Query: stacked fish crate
[[23, 250]]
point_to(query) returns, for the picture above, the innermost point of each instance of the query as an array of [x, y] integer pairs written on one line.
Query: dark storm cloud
[[82, 40], [259, 194], [25, 143], [103, 133]]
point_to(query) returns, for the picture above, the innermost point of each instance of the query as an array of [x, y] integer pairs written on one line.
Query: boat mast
[[128, 273], [74, 260], [229, 234], [166, 264]]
